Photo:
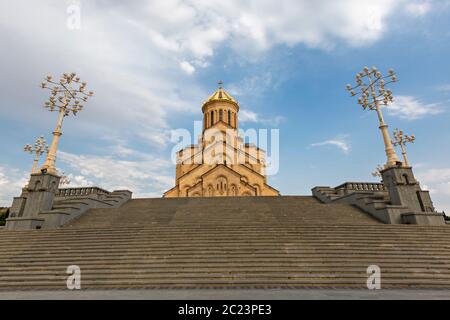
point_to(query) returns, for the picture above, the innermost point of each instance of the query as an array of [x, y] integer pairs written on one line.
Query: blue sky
[[151, 65]]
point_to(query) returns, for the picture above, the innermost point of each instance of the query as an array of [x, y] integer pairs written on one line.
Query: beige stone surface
[[221, 164]]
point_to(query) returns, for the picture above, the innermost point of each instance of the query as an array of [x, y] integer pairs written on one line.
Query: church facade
[[221, 164]]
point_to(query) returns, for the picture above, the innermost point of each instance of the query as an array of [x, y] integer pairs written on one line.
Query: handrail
[[80, 192], [361, 186]]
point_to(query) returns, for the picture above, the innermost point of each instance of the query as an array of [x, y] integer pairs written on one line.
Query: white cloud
[[11, 183], [143, 175], [437, 181], [409, 108], [123, 151], [187, 67], [261, 24], [76, 181], [132, 57], [444, 88], [136, 56], [255, 85], [340, 142], [419, 9], [246, 116]]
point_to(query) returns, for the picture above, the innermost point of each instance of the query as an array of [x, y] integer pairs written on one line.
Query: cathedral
[[192, 239], [221, 164]]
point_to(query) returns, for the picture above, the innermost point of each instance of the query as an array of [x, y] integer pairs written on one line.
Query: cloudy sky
[[152, 64]]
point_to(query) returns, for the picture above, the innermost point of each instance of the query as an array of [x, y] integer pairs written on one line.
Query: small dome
[[220, 95]]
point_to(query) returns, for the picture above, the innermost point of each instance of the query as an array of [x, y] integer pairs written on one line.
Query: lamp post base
[[40, 194]]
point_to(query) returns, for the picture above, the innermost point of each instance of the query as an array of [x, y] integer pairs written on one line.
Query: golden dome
[[220, 95]]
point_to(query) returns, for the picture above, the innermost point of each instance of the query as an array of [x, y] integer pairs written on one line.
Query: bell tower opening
[[220, 107]]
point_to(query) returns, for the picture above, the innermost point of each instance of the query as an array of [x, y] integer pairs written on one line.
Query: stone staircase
[[66, 205], [73, 207], [373, 199], [223, 211], [249, 242], [376, 203]]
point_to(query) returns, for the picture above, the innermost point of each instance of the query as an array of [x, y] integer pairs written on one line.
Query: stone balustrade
[[350, 187], [81, 192]]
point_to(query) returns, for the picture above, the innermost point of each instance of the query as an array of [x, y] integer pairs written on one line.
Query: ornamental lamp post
[[401, 140], [40, 146], [377, 171], [65, 180], [65, 98], [370, 86]]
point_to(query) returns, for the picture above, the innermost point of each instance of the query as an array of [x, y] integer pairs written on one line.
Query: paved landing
[[228, 294]]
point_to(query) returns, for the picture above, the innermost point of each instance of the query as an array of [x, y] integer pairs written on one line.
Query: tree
[[4, 213]]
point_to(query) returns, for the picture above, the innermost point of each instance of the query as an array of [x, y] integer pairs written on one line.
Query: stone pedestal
[[18, 204], [404, 190], [426, 219], [39, 197]]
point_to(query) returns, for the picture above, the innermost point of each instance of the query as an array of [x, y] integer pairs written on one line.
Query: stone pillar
[[404, 190], [39, 197], [18, 204]]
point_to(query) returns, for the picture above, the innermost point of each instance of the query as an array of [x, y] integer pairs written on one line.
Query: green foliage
[[4, 212]]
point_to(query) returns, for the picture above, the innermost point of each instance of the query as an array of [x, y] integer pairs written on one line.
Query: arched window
[[229, 118], [220, 115], [212, 118], [234, 118], [210, 191], [222, 186]]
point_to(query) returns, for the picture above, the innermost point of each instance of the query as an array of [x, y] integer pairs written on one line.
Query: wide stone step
[[277, 226], [199, 258], [240, 232], [236, 236], [234, 242], [231, 283], [226, 242], [125, 254], [222, 268], [183, 276]]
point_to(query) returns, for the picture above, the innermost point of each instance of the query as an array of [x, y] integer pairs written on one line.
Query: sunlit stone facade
[[221, 164]]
